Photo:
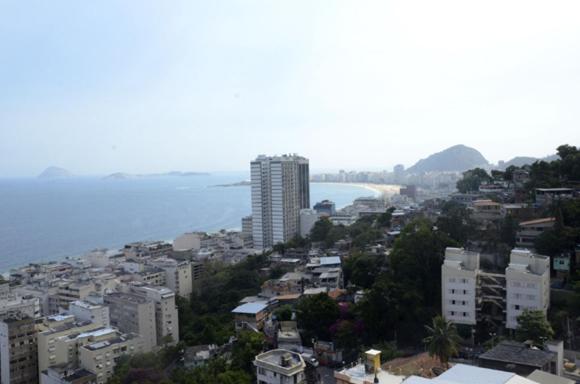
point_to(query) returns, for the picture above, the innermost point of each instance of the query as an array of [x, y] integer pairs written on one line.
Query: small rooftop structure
[[283, 362], [251, 308]]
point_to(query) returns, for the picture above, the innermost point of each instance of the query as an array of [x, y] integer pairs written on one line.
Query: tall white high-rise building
[[280, 189]]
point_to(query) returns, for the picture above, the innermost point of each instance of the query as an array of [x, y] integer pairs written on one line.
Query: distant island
[[52, 173], [126, 176], [244, 183]]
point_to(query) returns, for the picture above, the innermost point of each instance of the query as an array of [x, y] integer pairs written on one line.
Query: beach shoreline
[[378, 189]]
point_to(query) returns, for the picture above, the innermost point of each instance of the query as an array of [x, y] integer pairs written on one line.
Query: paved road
[[326, 375]]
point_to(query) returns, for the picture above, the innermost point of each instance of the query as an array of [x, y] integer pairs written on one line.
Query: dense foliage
[[533, 326], [472, 179]]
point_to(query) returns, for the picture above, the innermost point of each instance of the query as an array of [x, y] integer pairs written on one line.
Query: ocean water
[[43, 220]]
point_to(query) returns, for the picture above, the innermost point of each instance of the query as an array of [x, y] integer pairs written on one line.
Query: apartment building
[[18, 349], [470, 294], [151, 275], [58, 340], [546, 196], [459, 275], [280, 189], [86, 311], [139, 251], [166, 317], [486, 210], [280, 366], [133, 313], [68, 291], [178, 275], [101, 357], [14, 302], [529, 231], [527, 284]]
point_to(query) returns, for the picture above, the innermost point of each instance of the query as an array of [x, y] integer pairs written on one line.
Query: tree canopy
[[532, 325]]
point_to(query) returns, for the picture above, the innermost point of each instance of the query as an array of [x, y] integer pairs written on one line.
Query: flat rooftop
[[518, 353], [251, 308]]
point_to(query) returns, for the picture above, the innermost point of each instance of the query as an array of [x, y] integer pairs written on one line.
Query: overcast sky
[[149, 86]]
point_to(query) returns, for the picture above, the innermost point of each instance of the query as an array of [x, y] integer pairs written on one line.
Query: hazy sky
[[149, 86]]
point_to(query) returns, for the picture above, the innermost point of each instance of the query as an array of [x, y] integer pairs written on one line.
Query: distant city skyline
[[147, 86]]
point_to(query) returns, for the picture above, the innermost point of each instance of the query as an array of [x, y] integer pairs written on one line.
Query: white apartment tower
[[280, 189], [527, 284], [459, 274]]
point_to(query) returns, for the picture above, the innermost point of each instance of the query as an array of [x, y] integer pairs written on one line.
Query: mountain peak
[[457, 158]]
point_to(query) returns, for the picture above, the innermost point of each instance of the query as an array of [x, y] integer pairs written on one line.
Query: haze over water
[[47, 220]]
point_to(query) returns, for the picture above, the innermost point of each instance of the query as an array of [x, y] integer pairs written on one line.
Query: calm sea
[[47, 220]]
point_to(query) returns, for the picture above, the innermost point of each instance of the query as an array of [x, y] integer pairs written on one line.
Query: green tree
[[387, 307], [248, 345], [320, 230], [472, 179], [416, 259], [442, 340], [532, 325], [315, 315], [384, 220], [456, 222], [508, 230], [361, 269], [283, 313], [550, 243]]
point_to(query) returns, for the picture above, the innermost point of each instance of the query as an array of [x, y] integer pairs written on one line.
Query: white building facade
[[527, 284], [459, 274], [469, 293], [280, 366]]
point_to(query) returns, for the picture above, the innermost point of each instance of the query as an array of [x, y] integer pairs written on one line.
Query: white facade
[[98, 258], [132, 313], [187, 242], [178, 275], [95, 313], [101, 357], [280, 366], [465, 288], [166, 317], [280, 188], [459, 285], [527, 284]]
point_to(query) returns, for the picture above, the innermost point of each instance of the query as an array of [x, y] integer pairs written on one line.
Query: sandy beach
[[378, 189]]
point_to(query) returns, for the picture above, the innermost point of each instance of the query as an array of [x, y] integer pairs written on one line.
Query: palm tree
[[443, 339]]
